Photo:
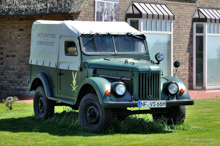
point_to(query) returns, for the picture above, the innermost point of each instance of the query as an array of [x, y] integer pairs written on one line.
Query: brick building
[[185, 30]]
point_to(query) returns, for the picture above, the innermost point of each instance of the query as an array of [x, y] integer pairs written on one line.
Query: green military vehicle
[[100, 69]]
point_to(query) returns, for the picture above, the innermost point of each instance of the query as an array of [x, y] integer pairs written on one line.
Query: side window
[[70, 48]]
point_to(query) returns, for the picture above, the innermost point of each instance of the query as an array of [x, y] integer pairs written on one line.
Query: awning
[[146, 10], [210, 15]]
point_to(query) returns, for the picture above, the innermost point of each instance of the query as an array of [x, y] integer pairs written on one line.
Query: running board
[[67, 101]]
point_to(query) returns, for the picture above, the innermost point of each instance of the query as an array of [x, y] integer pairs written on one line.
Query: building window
[[199, 28], [159, 39], [199, 61], [212, 28], [155, 20], [206, 56], [156, 25], [213, 61], [160, 43], [135, 24]]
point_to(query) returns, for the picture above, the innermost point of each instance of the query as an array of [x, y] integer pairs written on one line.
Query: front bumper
[[169, 103]]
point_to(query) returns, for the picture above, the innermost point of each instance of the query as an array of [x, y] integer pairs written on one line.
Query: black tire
[[175, 115], [92, 116], [43, 107]]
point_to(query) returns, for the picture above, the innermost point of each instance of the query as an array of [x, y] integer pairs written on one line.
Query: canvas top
[[46, 38], [76, 28]]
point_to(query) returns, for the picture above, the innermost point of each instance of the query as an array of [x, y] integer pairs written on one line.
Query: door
[[68, 65]]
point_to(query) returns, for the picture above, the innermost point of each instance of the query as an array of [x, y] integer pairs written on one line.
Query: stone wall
[[15, 36]]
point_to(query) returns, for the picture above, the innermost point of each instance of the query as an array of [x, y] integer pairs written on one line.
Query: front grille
[[148, 86]]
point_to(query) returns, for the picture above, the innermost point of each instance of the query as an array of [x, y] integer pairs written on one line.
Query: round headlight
[[159, 57], [120, 89], [173, 88]]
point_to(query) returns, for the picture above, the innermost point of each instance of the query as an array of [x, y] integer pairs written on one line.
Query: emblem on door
[[73, 85]]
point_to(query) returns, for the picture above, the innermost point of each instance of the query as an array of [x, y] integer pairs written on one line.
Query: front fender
[[179, 95], [40, 79], [100, 85]]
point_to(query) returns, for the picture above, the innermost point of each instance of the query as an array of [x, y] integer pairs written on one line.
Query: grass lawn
[[20, 127]]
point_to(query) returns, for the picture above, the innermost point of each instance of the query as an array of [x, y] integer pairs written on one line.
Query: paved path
[[194, 94], [26, 101], [204, 94]]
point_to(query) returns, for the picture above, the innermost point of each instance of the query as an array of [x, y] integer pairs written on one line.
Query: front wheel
[[43, 107], [92, 115], [175, 115]]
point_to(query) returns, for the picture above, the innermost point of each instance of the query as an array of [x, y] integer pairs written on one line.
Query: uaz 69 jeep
[[101, 69]]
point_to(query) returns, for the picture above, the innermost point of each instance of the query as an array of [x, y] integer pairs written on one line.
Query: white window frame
[[205, 35], [141, 21]]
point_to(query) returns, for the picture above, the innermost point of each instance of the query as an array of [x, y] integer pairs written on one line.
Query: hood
[[122, 64]]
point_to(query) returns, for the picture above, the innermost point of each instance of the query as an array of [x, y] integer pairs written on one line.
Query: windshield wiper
[[106, 59], [135, 36], [90, 39]]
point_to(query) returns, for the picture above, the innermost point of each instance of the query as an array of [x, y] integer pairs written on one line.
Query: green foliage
[[65, 117], [136, 124]]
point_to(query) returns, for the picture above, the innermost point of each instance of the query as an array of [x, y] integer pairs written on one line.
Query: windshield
[[113, 44]]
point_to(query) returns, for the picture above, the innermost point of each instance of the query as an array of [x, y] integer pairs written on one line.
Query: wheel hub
[[93, 115], [41, 105]]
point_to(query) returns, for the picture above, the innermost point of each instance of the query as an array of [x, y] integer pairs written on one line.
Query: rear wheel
[[175, 115], [92, 115], [43, 107]]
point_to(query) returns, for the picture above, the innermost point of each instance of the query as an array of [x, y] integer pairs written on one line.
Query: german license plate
[[152, 104]]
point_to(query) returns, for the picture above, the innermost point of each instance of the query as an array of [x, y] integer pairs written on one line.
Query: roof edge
[[38, 7]]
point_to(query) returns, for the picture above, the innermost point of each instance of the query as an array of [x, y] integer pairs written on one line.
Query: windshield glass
[[113, 44]]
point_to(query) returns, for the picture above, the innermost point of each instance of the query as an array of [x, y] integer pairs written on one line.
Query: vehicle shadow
[[57, 126]]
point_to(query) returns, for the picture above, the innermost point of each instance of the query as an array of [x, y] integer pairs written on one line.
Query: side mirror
[[176, 64]]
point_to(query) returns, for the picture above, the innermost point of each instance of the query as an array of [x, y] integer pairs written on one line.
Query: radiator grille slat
[[148, 86]]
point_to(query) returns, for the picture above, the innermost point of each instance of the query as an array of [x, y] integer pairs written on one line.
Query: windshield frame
[[115, 52]]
